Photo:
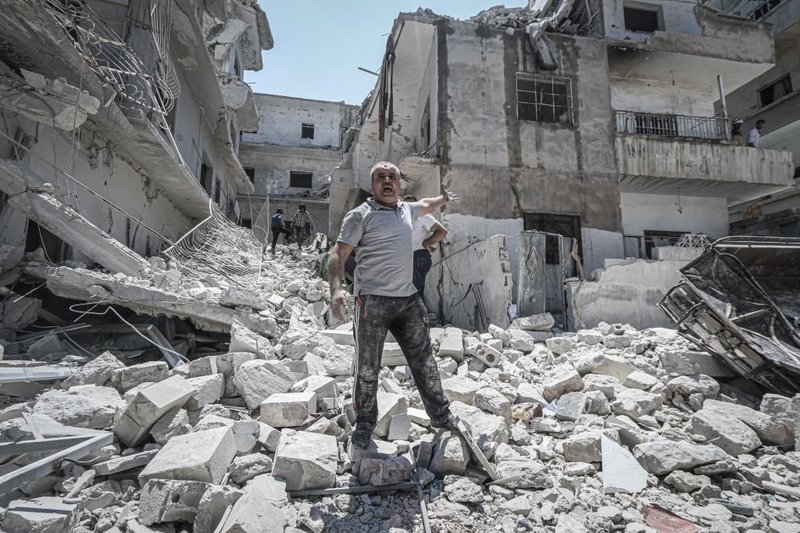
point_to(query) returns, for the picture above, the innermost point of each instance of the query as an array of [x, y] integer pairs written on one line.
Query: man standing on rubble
[[386, 300]]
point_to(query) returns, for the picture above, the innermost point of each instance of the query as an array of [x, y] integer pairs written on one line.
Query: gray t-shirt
[[385, 249]]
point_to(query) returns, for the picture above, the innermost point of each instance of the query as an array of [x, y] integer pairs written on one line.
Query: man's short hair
[[383, 165], [302, 206], [410, 198], [760, 121], [279, 211]]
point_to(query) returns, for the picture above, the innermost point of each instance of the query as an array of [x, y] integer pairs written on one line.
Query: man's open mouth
[[388, 190]]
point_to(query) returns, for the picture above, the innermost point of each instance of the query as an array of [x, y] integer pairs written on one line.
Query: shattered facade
[[292, 153], [122, 120], [616, 144]]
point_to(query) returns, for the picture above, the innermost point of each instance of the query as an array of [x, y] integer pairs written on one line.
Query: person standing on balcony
[[754, 135], [427, 233], [736, 132]]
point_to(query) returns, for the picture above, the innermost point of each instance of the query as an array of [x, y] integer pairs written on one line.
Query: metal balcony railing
[[679, 126]]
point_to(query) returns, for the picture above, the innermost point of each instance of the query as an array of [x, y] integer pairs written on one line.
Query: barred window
[[544, 99]]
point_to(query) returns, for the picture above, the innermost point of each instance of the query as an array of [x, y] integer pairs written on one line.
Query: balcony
[[676, 126]]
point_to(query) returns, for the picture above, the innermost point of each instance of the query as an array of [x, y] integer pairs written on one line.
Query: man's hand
[[338, 302], [448, 196]]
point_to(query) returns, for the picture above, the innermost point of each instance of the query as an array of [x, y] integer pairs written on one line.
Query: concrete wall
[[273, 165], [642, 212], [626, 292], [280, 120], [677, 16], [655, 96], [102, 171], [681, 159]]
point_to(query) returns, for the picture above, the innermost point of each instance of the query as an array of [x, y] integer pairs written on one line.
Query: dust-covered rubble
[[604, 429]]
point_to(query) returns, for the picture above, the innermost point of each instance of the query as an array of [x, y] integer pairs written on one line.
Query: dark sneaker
[[361, 437]]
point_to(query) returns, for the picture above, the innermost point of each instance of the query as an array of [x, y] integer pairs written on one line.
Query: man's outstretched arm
[[336, 262], [429, 205]]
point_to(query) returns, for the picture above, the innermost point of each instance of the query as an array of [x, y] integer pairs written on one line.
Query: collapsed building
[[601, 130], [122, 119]]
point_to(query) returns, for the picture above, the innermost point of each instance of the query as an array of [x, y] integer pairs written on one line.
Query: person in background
[[754, 135], [427, 232], [302, 225], [277, 228], [736, 132]]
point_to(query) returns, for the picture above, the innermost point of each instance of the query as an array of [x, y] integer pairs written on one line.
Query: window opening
[[775, 91], [642, 19], [302, 180], [307, 131], [544, 99]]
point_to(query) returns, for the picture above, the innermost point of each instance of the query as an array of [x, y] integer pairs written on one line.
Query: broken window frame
[[535, 104], [642, 7], [307, 131], [782, 85], [298, 175]]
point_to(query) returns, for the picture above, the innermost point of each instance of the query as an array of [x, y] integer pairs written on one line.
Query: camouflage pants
[[407, 319]]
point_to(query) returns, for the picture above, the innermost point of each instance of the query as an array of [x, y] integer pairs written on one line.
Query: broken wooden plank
[[784, 490], [476, 450]]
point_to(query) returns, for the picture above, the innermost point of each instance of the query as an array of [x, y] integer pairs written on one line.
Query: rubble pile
[[608, 429]]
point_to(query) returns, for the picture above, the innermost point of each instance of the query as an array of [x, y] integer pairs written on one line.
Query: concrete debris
[[583, 431]]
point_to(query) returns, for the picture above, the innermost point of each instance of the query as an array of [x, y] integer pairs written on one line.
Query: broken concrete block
[[83, 406], [268, 437], [96, 372], [322, 386], [597, 403], [571, 406], [228, 365], [684, 363], [521, 340], [640, 380], [686, 482], [460, 389], [488, 431], [724, 430], [529, 393], [559, 380], [246, 340], [204, 366], [530, 474], [170, 501], [208, 389], [238, 297], [343, 337], [201, 456], [123, 463], [212, 507], [462, 489], [542, 322], [389, 405], [298, 340], [688, 385], [492, 401], [621, 471], [258, 379], [260, 509], [400, 427], [289, 409], [337, 360], [246, 467], [306, 460], [779, 408], [245, 434], [450, 456], [419, 416], [150, 404], [635, 403], [379, 472], [45, 514], [589, 336], [662, 457], [585, 447], [608, 385], [769, 430], [128, 377], [452, 344], [488, 355], [560, 345]]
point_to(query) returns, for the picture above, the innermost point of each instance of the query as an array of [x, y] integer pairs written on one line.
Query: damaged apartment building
[[121, 119], [290, 157], [592, 121]]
